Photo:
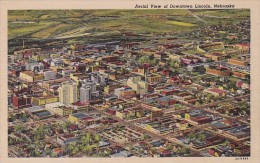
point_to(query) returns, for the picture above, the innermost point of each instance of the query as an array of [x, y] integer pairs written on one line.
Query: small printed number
[[241, 158]]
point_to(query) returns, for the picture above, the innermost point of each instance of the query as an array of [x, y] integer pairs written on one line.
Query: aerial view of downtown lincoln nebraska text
[[129, 83]]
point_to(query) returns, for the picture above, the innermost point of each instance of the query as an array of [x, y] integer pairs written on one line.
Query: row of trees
[[198, 136], [87, 144], [22, 116], [147, 59]]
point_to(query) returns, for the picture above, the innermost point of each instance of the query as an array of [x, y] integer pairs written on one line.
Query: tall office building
[[85, 93], [68, 92], [87, 90]]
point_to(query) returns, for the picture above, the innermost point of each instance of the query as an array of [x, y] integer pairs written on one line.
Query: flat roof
[[34, 109], [43, 113], [79, 115]]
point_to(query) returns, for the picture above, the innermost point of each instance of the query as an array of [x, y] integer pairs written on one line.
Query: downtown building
[[87, 90], [68, 92]]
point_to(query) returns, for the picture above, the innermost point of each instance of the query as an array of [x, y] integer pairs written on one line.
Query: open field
[[223, 13], [54, 23], [181, 23], [21, 29]]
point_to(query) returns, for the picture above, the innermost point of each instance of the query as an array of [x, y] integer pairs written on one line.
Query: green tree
[[66, 124], [37, 153], [75, 150], [87, 149], [52, 154], [201, 137], [172, 63], [97, 138], [69, 148], [39, 132], [153, 62], [169, 146], [48, 151], [10, 141], [143, 59], [19, 128], [191, 135], [183, 150], [107, 152], [85, 140], [24, 117], [12, 117]]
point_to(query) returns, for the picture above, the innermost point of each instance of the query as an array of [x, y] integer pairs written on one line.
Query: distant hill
[[59, 24]]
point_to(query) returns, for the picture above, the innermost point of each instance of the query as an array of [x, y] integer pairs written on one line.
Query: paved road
[[154, 135]]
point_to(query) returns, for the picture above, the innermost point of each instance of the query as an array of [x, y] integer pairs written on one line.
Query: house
[[182, 125], [157, 143], [122, 114], [216, 56], [166, 153], [80, 67], [244, 48], [167, 72], [218, 71], [242, 75], [115, 149], [215, 91], [67, 138], [57, 63], [242, 84], [237, 62], [215, 152], [242, 150], [111, 111], [123, 153], [103, 143], [58, 152]]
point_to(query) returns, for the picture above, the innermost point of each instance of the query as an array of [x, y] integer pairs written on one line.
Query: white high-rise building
[[85, 93], [87, 90]]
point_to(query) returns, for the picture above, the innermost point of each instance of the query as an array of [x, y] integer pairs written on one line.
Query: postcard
[[135, 81]]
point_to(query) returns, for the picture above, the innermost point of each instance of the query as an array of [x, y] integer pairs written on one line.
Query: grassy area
[[14, 15], [224, 13], [20, 29], [70, 23], [49, 32], [93, 21], [142, 13], [181, 23]]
